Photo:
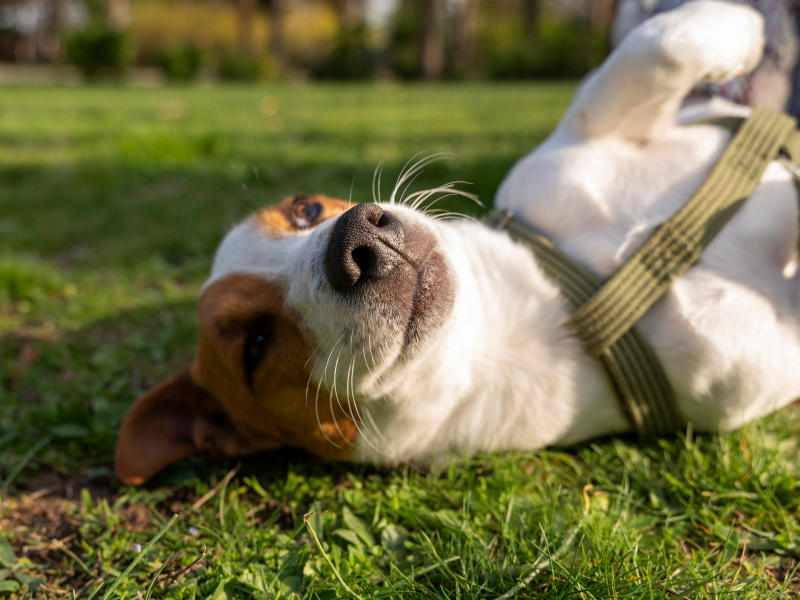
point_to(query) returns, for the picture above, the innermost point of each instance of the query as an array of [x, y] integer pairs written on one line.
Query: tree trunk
[[247, 34], [351, 12], [531, 11], [276, 42], [432, 47], [466, 21], [602, 15]]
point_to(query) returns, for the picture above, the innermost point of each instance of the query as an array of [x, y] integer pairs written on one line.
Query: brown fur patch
[[214, 407], [281, 219], [217, 408], [275, 408]]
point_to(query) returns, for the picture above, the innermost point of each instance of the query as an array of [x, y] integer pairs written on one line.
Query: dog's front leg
[[638, 90]]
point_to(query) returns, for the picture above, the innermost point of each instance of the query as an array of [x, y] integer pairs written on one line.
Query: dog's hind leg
[[638, 90]]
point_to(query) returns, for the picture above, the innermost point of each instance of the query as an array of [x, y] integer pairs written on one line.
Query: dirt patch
[[137, 517], [42, 527], [44, 519], [56, 485], [40, 530]]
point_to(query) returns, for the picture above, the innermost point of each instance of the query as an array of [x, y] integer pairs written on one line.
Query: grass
[[111, 204]]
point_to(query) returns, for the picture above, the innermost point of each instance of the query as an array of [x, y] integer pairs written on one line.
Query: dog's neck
[[493, 383]]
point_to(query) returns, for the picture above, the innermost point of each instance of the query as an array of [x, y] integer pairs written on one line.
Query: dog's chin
[[396, 318], [387, 323], [431, 304], [392, 313]]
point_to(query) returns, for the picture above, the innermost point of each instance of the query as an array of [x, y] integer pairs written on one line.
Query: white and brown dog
[[376, 333]]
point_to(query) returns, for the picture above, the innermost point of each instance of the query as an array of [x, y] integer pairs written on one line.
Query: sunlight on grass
[[112, 202]]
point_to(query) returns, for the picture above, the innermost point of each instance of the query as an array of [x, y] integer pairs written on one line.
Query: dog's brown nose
[[367, 243]]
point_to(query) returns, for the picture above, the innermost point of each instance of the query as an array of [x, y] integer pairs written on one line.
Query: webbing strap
[[791, 145], [635, 371], [605, 314], [677, 245]]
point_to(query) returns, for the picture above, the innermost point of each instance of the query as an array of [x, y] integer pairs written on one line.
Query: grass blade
[[541, 564], [21, 464], [136, 560], [325, 556], [155, 577]]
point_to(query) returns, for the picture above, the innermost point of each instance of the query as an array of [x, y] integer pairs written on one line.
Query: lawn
[[112, 202]]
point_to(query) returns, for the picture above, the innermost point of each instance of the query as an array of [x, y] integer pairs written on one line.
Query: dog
[[374, 332]]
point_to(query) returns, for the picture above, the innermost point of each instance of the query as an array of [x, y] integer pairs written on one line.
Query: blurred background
[[149, 41], [135, 133]]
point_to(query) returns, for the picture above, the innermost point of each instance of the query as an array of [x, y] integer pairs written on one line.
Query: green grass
[[111, 204]]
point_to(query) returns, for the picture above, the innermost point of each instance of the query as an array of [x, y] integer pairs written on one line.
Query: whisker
[[350, 382], [372, 355], [316, 399], [366, 363], [363, 432], [335, 392], [403, 199], [378, 432], [311, 374], [400, 177], [350, 197], [376, 190], [420, 165], [446, 190], [318, 347]]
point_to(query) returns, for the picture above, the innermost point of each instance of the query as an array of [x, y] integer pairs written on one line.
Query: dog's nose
[[367, 243]]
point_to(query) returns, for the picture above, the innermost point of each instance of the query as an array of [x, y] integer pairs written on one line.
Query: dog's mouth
[[432, 298], [386, 268]]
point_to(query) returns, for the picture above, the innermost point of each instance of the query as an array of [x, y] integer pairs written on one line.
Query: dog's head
[[311, 305]]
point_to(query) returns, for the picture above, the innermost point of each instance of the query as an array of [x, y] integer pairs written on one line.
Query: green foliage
[[234, 66], [112, 202], [181, 62], [13, 578], [100, 51], [350, 58], [561, 50], [404, 50]]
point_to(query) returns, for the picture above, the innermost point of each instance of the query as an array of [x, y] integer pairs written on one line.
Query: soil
[[41, 526]]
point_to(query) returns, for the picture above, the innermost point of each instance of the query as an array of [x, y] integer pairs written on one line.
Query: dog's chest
[[719, 328], [599, 200]]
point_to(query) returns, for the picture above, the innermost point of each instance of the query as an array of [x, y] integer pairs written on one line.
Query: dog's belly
[[727, 331]]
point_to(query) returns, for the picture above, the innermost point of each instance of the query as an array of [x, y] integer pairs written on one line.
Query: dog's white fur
[[504, 371]]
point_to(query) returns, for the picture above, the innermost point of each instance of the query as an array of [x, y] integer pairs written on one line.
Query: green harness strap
[[605, 314]]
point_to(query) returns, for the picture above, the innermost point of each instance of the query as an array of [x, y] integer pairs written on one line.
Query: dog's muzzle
[[388, 263], [367, 243]]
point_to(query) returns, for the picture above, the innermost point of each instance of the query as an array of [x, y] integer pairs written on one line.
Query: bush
[[405, 53], [180, 62], [233, 66], [100, 52], [563, 49], [351, 57]]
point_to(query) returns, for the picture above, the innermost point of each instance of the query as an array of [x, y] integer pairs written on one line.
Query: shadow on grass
[[96, 216], [145, 229], [75, 390]]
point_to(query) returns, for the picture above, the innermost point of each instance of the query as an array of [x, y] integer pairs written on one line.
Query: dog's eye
[[256, 343], [305, 212]]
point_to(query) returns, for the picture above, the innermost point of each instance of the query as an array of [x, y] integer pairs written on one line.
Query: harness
[[604, 314]]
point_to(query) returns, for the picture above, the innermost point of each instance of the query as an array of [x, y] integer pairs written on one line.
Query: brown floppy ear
[[170, 422]]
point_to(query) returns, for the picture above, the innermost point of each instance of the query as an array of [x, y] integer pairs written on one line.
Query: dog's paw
[[714, 40]]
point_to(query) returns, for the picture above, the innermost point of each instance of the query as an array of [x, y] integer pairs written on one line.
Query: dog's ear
[[170, 422]]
